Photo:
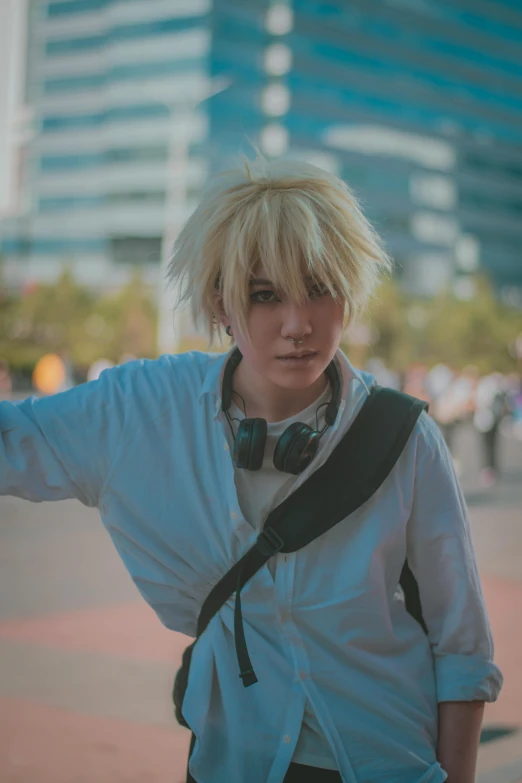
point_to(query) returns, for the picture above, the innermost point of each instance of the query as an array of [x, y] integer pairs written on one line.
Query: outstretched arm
[[63, 446]]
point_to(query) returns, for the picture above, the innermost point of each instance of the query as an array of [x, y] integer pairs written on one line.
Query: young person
[[350, 688]]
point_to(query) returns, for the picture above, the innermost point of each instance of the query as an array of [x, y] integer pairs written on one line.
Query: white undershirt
[[258, 493]]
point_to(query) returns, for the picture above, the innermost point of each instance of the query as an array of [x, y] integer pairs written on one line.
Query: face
[[273, 319]]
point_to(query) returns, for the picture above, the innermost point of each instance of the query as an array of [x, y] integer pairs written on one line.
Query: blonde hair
[[295, 219]]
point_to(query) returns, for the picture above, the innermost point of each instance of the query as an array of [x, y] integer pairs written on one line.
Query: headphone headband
[[230, 368]]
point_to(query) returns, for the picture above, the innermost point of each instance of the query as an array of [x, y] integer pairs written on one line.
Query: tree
[[46, 318], [476, 331], [404, 329], [67, 318], [125, 322]]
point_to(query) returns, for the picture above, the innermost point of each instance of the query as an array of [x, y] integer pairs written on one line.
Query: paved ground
[[86, 669]]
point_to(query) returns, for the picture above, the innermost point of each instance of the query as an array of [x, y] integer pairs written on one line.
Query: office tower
[[416, 103]]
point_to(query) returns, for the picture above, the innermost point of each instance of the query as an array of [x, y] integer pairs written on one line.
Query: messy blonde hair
[[292, 217]]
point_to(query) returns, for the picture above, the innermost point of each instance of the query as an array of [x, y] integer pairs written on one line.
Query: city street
[[86, 668]]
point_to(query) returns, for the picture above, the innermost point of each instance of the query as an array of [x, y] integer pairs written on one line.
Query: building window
[[275, 100], [75, 7], [279, 19], [135, 250], [278, 59], [437, 192], [274, 139], [434, 228], [128, 32]]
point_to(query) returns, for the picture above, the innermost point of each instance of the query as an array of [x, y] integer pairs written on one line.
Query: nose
[[296, 320]]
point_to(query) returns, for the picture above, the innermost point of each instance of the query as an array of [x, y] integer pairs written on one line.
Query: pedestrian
[[6, 382], [515, 404], [453, 406], [186, 457], [447, 409], [490, 408]]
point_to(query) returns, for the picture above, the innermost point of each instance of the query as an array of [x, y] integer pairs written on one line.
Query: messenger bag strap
[[355, 470]]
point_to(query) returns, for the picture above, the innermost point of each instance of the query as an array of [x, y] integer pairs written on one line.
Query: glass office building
[[416, 103], [113, 86]]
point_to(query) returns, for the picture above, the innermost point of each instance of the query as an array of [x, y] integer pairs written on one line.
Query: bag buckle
[[269, 542]]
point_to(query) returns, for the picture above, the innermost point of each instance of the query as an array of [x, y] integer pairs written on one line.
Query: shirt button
[[225, 446], [302, 675], [233, 515], [287, 739]]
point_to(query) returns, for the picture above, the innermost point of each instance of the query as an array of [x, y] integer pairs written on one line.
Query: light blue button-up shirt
[[146, 444]]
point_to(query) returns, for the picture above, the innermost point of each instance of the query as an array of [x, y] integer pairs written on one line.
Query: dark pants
[[490, 448], [300, 773], [297, 773]]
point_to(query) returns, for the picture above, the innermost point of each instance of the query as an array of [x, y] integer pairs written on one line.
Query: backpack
[[353, 472]]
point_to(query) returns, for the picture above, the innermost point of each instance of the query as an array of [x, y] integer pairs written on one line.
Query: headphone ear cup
[[296, 448], [249, 448]]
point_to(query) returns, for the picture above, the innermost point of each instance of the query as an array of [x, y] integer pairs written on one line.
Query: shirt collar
[[214, 377]]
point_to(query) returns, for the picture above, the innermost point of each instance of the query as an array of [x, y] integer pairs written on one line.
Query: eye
[[318, 290], [264, 297]]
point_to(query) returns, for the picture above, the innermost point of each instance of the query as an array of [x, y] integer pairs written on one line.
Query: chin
[[297, 378]]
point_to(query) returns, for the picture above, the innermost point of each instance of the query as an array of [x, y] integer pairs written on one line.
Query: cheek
[[263, 321], [260, 334], [329, 317]]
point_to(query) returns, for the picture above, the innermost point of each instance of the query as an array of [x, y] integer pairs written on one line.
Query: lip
[[298, 355], [291, 360]]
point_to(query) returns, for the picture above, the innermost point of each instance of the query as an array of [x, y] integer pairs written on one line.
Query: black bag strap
[[353, 472]]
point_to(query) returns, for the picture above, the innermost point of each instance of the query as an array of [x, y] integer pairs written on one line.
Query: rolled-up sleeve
[[63, 446], [442, 558]]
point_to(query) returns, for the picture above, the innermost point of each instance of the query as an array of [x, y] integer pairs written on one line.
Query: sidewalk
[[500, 761], [85, 683], [496, 520]]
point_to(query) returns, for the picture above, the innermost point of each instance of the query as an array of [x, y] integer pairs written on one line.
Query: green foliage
[[67, 318], [125, 322], [446, 329], [477, 331]]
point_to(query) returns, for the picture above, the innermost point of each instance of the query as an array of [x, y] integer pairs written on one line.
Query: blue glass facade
[[238, 41], [59, 122], [117, 155], [74, 7], [122, 73], [98, 162], [436, 87], [447, 72], [119, 33]]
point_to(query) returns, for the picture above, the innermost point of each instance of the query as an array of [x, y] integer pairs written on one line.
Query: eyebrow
[[263, 281]]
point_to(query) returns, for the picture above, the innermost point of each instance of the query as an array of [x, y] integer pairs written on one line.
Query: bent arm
[[442, 558]]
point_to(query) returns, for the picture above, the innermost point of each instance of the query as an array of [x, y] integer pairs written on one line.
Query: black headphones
[[298, 444]]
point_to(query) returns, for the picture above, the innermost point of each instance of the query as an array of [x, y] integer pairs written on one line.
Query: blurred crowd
[[52, 374], [491, 403]]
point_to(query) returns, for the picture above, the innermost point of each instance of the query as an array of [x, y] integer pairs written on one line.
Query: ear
[[220, 309]]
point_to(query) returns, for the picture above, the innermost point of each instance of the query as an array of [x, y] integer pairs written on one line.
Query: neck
[[265, 400]]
